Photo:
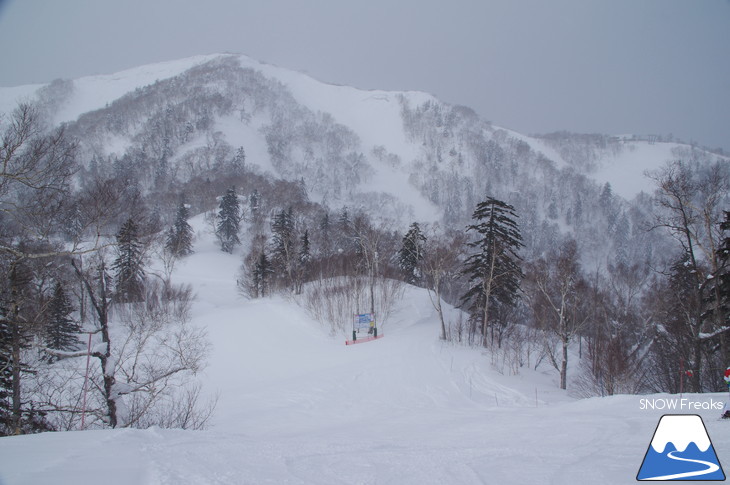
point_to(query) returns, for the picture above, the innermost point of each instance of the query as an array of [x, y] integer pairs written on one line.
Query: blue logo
[[681, 450]]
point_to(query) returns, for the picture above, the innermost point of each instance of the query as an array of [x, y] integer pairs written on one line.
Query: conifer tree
[[128, 266], [61, 330], [261, 276], [282, 245], [304, 260], [325, 236], [180, 236], [239, 160], [410, 254], [493, 271], [344, 241], [229, 220], [254, 203]]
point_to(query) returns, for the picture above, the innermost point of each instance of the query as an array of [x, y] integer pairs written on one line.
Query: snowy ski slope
[[298, 406]]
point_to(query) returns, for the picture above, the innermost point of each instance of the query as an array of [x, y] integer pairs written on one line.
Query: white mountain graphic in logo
[[680, 450]]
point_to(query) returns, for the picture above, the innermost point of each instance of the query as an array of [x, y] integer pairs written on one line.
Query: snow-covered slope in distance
[[298, 406], [398, 156], [90, 93], [10, 97], [374, 115]]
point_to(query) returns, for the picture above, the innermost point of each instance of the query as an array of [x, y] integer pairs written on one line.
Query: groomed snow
[[298, 406]]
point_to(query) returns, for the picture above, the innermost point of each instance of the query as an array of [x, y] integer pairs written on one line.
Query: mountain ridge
[[402, 155]]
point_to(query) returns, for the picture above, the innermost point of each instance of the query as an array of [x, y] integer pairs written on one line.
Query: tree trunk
[[101, 306], [485, 314], [564, 365], [696, 372], [438, 307], [16, 346], [17, 411], [441, 319]]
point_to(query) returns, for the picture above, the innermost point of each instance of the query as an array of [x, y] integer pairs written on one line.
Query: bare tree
[[153, 351], [690, 197], [556, 291], [440, 267], [35, 171], [368, 239]]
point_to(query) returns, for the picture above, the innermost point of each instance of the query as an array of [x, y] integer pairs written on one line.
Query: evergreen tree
[[261, 276], [229, 219], [180, 236], [304, 260], [678, 327], [282, 245], [325, 236], [254, 203], [128, 267], [239, 161], [61, 330], [410, 254], [493, 271], [344, 239]]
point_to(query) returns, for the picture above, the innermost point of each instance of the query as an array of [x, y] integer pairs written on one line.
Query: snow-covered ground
[[298, 406]]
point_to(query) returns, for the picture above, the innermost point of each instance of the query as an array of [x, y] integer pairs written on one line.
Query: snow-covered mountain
[[681, 431], [402, 155], [295, 404]]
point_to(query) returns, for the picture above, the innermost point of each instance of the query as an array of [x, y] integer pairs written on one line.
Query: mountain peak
[[680, 430]]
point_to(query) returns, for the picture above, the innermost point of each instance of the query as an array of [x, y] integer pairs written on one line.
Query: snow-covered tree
[[718, 300], [690, 199], [180, 236], [325, 236], [304, 260], [283, 249], [61, 332], [254, 203], [229, 220], [128, 266], [261, 276], [239, 160], [440, 266], [493, 271], [558, 296], [410, 254], [344, 228]]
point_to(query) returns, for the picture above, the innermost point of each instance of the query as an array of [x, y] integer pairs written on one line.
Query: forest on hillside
[[546, 265]]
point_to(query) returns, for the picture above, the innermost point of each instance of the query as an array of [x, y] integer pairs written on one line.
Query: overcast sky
[[536, 66]]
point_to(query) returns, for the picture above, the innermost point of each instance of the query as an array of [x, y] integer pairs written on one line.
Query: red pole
[[86, 379]]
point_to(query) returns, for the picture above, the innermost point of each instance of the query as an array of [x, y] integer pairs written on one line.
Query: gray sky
[[588, 66]]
